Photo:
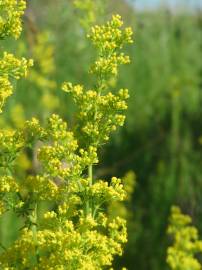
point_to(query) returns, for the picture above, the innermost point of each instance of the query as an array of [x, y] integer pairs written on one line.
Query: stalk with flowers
[[77, 229], [10, 67], [182, 255], [74, 232]]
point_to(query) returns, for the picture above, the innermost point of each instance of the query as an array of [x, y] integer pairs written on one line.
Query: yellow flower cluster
[[99, 114], [109, 39], [65, 246], [122, 208], [110, 65], [111, 36], [14, 67], [32, 130], [11, 68], [103, 192], [8, 184], [74, 233], [11, 12], [23, 246], [10, 144], [62, 163], [181, 256], [60, 158], [42, 187], [82, 243]]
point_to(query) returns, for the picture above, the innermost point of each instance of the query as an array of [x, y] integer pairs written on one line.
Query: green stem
[[34, 230], [90, 174], [89, 204]]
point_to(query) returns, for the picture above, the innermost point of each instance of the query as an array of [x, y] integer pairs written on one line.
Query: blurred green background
[[161, 141]]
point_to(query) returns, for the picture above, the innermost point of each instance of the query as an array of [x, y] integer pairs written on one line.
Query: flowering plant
[[11, 67], [181, 256], [74, 232]]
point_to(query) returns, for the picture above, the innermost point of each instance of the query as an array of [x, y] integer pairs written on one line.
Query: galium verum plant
[[11, 67], [75, 233], [186, 244]]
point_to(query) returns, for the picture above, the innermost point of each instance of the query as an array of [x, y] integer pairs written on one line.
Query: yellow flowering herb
[[181, 255], [75, 232], [11, 68], [11, 12]]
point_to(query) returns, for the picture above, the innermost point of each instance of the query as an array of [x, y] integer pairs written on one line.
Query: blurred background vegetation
[[159, 150]]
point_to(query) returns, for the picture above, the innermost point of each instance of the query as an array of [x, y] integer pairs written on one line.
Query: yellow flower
[[10, 18], [186, 244], [11, 67]]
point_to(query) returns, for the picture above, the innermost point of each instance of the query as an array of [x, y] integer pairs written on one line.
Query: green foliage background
[[162, 139]]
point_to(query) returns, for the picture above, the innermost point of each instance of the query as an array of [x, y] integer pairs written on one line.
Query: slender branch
[[90, 202], [34, 230], [90, 174]]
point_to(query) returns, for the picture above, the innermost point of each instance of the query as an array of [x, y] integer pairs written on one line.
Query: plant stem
[[34, 230], [90, 202], [90, 174]]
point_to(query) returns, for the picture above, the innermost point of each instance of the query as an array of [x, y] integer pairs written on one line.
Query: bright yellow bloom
[[11, 12], [11, 68]]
